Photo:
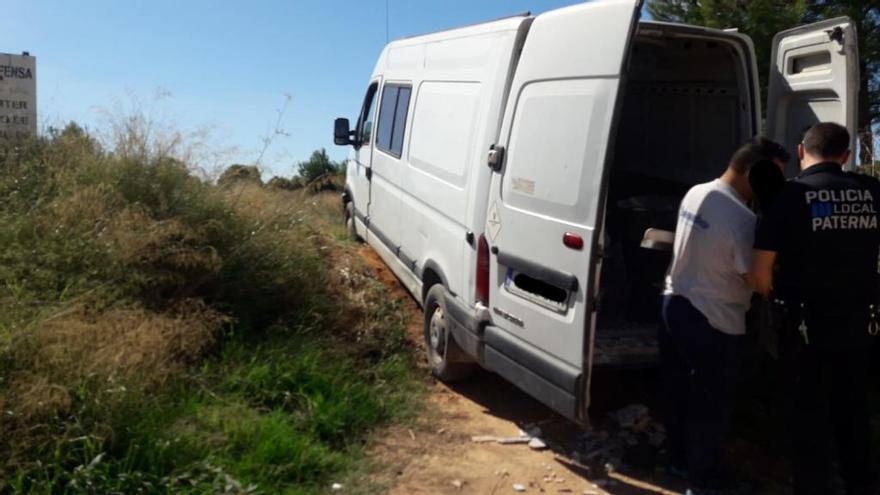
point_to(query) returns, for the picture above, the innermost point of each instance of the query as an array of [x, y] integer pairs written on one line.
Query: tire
[[439, 342], [349, 221]]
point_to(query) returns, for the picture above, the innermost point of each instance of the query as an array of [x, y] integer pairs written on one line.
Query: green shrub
[[240, 173], [162, 334]]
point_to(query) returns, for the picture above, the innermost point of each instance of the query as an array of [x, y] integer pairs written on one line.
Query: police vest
[[824, 226]]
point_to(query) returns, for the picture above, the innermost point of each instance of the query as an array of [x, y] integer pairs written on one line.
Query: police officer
[[823, 232]]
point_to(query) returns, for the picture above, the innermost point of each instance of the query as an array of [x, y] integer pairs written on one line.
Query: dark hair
[[826, 140], [754, 150], [767, 180]]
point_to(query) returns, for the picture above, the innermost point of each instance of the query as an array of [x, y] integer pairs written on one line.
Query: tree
[[761, 19], [319, 165]]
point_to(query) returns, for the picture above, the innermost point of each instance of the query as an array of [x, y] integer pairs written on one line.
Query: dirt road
[[439, 454]]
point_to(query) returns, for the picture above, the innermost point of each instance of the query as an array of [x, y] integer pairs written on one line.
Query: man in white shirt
[[704, 307]]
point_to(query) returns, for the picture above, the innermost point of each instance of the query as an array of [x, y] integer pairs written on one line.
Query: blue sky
[[224, 65]]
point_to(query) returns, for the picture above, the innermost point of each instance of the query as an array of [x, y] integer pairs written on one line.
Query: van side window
[[368, 114], [392, 118]]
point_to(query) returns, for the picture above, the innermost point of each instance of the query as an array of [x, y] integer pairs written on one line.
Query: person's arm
[[760, 276], [768, 239], [743, 237]]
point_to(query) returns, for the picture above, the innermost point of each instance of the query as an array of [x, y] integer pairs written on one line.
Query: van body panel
[[424, 203], [391, 258], [555, 131], [814, 77], [541, 376]]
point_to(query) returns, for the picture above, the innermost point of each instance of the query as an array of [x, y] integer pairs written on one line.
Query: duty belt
[[803, 309]]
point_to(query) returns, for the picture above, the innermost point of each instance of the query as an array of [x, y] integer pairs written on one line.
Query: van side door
[[358, 172], [387, 165], [545, 205], [814, 77]]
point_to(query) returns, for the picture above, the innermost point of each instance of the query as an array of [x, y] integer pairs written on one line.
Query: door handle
[[496, 157], [369, 173]]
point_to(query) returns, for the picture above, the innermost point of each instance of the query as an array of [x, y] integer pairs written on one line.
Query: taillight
[[573, 241], [482, 290]]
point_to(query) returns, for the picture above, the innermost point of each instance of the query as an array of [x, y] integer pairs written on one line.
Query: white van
[[507, 173]]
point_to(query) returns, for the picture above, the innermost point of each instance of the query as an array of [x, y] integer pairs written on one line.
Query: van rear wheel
[[439, 342]]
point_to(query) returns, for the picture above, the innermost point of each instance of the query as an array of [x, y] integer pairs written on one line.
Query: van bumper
[[467, 325]]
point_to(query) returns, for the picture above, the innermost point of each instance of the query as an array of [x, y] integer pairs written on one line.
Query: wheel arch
[[432, 275]]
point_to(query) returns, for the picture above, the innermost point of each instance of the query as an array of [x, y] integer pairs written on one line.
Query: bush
[[284, 183], [240, 173], [159, 331]]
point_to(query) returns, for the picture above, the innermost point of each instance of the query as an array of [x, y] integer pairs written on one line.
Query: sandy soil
[[437, 455]]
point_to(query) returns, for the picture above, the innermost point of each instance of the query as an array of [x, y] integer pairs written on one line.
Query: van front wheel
[[349, 221], [439, 342]]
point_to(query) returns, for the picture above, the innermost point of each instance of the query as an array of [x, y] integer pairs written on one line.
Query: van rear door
[[545, 202], [814, 77]]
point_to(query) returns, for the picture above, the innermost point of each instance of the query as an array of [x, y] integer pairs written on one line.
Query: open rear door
[[546, 200], [814, 77]]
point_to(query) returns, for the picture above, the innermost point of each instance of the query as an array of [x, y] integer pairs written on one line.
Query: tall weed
[[162, 334]]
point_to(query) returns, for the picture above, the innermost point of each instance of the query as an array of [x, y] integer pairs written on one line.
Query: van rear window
[[392, 118]]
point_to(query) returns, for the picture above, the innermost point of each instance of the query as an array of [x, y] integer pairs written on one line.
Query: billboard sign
[[18, 96]]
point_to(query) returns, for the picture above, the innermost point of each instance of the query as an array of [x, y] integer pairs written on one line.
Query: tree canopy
[[318, 165]]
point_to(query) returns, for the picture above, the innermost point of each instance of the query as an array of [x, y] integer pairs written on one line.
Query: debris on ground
[[513, 440], [484, 439], [631, 416], [537, 444], [604, 482], [336, 487], [518, 487], [629, 426], [458, 484], [501, 440]]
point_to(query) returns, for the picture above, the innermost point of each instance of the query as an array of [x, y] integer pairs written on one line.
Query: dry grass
[[116, 348], [159, 331]]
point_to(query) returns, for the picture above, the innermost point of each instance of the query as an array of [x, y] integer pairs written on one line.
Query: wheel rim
[[349, 220], [437, 333]]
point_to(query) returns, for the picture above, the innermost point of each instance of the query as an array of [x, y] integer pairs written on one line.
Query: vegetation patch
[[162, 334]]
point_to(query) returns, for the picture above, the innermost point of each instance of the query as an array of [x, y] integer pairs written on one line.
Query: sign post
[[18, 96]]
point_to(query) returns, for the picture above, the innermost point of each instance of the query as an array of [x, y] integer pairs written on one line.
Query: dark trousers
[[699, 365], [827, 383]]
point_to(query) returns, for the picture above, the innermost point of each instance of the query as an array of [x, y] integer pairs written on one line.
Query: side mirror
[[341, 132]]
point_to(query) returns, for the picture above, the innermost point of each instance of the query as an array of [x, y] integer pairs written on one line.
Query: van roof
[[527, 13], [504, 24]]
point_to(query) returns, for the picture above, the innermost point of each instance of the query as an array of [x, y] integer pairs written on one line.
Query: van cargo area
[[686, 108]]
